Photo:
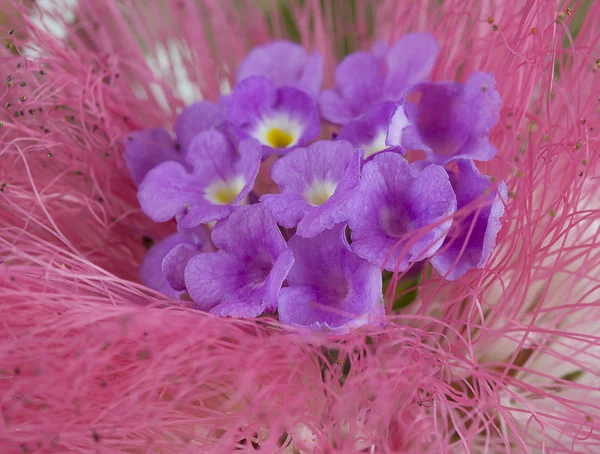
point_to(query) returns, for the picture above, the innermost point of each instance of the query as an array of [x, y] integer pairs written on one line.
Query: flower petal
[[287, 209], [329, 286], [151, 274], [250, 100], [146, 149], [249, 231], [314, 183], [370, 132], [311, 78], [167, 190], [173, 265], [409, 60], [472, 238], [245, 276], [210, 278], [211, 154], [359, 84], [196, 118], [286, 64], [397, 211]]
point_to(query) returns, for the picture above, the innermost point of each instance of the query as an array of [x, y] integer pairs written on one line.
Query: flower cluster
[[344, 209]]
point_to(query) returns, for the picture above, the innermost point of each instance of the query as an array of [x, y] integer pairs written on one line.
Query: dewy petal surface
[[329, 286]]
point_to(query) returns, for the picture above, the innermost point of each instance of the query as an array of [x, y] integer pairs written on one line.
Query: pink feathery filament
[[507, 359]]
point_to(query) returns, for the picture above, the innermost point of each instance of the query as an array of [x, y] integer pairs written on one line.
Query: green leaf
[[407, 290]]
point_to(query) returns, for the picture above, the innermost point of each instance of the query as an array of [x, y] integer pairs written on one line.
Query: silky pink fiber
[[504, 360]]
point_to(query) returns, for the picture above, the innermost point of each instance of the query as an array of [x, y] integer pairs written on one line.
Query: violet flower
[[316, 185], [372, 132], [243, 278], [363, 79], [286, 64], [195, 241], [148, 148], [219, 181], [196, 118], [453, 120], [471, 241], [392, 202], [329, 286], [151, 274], [279, 118]]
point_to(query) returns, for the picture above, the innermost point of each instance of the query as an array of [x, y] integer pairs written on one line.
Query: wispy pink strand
[[503, 360]]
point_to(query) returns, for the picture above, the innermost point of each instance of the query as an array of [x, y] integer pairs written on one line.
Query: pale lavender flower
[[453, 120], [471, 241], [220, 180], [392, 202], [330, 287], [279, 118], [371, 132], [363, 79], [286, 64], [244, 277], [316, 185], [148, 148]]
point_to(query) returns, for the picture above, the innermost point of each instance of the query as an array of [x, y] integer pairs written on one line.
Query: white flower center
[[376, 145], [398, 123], [320, 192], [224, 192], [278, 132]]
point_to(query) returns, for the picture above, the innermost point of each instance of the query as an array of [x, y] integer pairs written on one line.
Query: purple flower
[[286, 64], [146, 149], [371, 131], [400, 214], [151, 274], [244, 277], [365, 78], [194, 241], [470, 242], [316, 185], [196, 118], [279, 118], [329, 286], [453, 120], [219, 181]]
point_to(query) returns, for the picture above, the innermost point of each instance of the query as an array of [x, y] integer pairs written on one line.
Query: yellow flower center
[[319, 192], [224, 192], [278, 138]]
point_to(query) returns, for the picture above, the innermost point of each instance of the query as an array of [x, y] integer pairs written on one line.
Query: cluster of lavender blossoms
[[345, 209]]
